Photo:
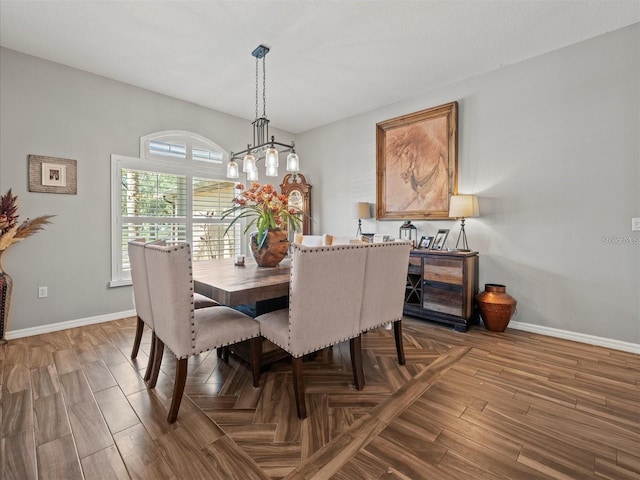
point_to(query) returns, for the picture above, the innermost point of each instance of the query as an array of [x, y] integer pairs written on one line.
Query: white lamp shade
[[232, 169], [463, 206], [293, 165], [362, 210]]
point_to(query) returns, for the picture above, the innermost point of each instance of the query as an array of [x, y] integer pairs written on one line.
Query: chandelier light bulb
[[252, 174], [271, 157], [232, 169], [272, 171], [293, 165], [248, 162]]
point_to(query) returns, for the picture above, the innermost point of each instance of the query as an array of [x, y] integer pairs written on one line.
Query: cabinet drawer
[[445, 270], [442, 298], [415, 261]]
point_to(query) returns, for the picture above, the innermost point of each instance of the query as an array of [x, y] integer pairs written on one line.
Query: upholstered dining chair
[[342, 240], [325, 297], [310, 240], [187, 331], [385, 281], [142, 301]]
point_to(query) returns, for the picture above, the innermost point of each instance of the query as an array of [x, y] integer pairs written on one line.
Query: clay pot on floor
[[496, 307]]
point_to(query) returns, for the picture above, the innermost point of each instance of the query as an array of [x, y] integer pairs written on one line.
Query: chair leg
[[178, 389], [397, 332], [157, 360], [298, 387], [355, 345], [256, 359], [225, 353], [137, 339], [152, 353]]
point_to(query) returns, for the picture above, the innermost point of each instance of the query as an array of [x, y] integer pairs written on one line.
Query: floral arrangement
[[10, 230], [265, 207]]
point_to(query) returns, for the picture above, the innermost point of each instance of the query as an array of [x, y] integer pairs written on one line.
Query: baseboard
[[577, 337], [527, 327], [54, 327]]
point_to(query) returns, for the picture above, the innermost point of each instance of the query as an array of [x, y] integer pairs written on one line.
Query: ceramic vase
[[496, 307], [6, 284], [275, 248]]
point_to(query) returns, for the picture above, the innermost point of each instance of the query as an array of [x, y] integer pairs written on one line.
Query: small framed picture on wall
[[54, 175]]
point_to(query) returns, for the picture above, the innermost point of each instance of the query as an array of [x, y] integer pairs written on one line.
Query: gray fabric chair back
[[141, 298], [325, 296], [171, 293], [385, 282]]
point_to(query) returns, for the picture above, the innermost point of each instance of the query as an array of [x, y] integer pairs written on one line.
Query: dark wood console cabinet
[[441, 286]]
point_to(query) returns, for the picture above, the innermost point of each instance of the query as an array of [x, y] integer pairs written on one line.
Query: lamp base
[[462, 235]]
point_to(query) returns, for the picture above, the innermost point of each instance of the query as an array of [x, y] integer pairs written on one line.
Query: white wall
[[49, 109], [551, 146]]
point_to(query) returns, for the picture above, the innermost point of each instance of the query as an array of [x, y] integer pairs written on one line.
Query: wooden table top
[[231, 285]]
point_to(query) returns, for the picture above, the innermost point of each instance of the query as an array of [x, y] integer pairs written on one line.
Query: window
[[176, 191]]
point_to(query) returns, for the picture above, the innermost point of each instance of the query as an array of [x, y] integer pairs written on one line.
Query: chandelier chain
[[264, 87], [256, 88]]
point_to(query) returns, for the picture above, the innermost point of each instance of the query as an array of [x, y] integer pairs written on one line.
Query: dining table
[[252, 289], [248, 287]]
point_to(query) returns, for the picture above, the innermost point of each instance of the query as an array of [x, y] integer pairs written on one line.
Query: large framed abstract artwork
[[416, 164]]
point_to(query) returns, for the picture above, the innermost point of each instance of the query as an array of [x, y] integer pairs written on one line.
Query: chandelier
[[263, 147]]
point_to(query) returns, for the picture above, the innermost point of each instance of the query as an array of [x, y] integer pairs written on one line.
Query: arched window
[[176, 190]]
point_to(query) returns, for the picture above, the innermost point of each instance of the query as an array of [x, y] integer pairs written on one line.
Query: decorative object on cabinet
[[441, 286], [416, 164], [440, 239], [463, 206], [496, 307], [263, 147], [408, 233], [298, 193], [380, 238], [362, 212], [53, 175], [425, 243]]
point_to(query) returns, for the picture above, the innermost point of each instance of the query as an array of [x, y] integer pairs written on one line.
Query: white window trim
[[157, 163]]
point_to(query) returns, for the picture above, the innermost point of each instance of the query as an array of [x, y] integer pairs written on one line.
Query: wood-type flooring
[[475, 405]]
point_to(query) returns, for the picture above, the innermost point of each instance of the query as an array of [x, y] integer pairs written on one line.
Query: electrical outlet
[[635, 224], [42, 292]]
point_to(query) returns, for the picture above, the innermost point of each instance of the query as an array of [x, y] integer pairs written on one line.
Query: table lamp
[[362, 211], [461, 207]]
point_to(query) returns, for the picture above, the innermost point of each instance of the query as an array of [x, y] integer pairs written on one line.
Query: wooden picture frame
[[52, 175], [425, 243], [417, 164], [440, 239]]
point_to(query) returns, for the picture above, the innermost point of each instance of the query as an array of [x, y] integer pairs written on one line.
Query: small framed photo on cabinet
[[441, 238], [425, 243]]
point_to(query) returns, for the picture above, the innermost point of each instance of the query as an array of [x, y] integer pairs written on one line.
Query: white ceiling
[[328, 60]]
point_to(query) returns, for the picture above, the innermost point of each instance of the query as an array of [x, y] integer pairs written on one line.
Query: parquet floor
[[475, 405]]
